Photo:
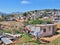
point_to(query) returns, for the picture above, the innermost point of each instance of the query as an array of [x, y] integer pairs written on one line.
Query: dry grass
[[51, 38], [11, 24], [58, 25]]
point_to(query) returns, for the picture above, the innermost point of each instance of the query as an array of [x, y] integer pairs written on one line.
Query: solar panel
[[6, 40], [1, 36]]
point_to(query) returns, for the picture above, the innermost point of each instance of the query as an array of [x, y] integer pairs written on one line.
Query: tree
[[45, 13], [28, 12], [25, 14], [48, 21], [36, 10], [40, 16], [47, 10], [55, 10], [3, 18]]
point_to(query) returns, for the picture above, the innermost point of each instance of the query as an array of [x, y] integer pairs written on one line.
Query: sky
[[9, 6]]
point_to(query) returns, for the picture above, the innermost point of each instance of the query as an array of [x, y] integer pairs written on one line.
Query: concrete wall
[[50, 30]]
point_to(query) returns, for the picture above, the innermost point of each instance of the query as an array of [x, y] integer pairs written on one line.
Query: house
[[10, 19], [42, 29], [56, 15]]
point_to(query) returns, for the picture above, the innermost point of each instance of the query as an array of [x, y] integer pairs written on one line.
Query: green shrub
[[36, 22]]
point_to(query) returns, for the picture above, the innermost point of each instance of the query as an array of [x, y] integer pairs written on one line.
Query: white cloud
[[25, 2]]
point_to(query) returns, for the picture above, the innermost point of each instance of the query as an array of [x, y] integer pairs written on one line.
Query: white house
[[42, 29]]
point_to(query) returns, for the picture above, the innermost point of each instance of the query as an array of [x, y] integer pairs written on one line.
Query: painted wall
[[48, 31]]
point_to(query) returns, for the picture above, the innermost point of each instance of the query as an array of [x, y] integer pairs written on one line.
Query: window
[[44, 30]]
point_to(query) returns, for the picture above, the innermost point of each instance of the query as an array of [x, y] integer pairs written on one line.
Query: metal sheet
[[37, 29], [6, 41]]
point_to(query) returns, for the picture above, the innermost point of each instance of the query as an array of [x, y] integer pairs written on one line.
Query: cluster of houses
[[42, 30], [37, 30], [54, 15]]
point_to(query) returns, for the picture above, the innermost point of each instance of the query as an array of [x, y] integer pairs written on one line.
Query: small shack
[[42, 29]]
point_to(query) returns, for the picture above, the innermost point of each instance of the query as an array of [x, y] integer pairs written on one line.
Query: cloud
[[25, 2]]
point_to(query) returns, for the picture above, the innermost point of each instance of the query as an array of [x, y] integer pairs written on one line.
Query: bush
[[37, 41], [49, 22], [36, 22]]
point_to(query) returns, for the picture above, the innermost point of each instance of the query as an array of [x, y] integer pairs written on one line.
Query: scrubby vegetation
[[41, 21]]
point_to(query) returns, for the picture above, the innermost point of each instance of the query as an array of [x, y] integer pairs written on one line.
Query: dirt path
[[51, 38]]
